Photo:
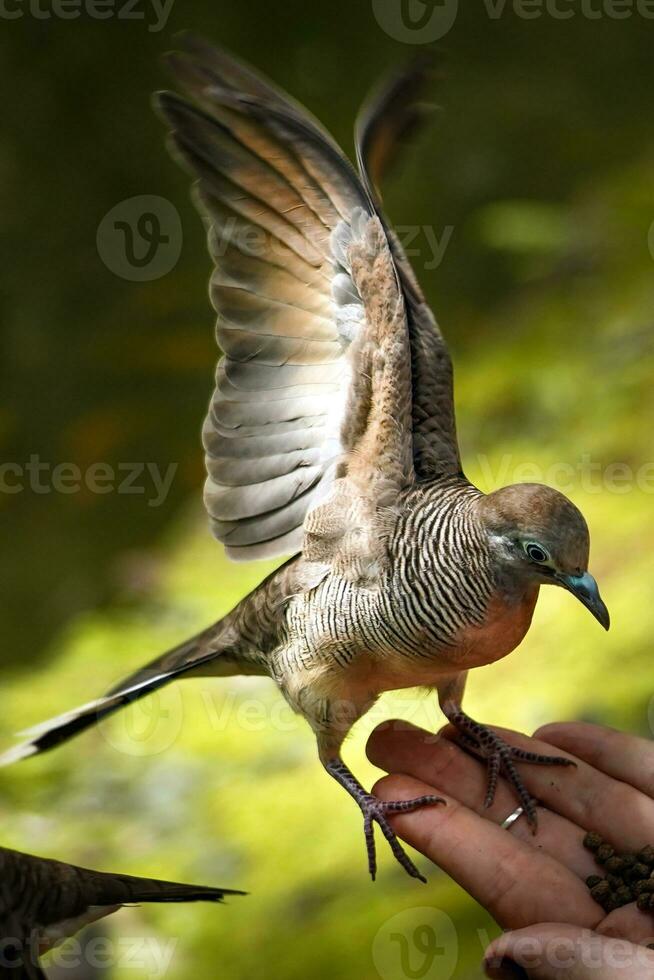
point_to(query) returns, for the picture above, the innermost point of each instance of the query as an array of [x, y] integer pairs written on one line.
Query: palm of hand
[[522, 879]]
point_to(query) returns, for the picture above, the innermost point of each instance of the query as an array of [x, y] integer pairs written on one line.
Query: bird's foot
[[501, 758], [376, 811]]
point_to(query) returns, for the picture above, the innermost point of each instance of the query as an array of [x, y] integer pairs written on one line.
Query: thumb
[[554, 951]]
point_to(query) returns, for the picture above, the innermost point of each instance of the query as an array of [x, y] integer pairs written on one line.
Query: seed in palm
[[615, 865], [601, 890], [628, 876], [623, 895], [604, 852]]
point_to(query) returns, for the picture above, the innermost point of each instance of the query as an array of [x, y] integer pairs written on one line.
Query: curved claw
[[375, 811], [501, 757]]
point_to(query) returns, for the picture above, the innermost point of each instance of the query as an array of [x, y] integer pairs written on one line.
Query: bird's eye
[[536, 552]]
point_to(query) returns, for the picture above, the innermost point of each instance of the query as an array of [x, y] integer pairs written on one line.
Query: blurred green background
[[541, 166]]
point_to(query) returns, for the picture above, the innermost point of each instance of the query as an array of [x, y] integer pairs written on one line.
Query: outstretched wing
[[387, 119], [311, 414]]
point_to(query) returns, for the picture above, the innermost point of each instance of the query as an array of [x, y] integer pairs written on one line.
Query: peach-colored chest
[[504, 627], [502, 630]]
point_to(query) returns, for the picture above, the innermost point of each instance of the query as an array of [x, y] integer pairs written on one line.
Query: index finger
[[516, 883]]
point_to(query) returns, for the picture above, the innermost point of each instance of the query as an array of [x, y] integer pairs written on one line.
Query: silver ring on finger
[[512, 817]]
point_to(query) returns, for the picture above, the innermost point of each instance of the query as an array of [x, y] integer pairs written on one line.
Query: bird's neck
[[441, 549], [457, 596], [441, 528], [441, 537]]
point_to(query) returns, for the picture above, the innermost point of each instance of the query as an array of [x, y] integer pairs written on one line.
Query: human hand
[[533, 885]]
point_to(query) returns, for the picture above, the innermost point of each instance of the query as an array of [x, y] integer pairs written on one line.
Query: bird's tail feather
[[230, 646], [117, 889], [173, 664]]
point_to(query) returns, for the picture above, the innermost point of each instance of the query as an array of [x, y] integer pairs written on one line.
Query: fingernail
[[503, 968]]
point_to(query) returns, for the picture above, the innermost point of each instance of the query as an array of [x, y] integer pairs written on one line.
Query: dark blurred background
[[536, 179]]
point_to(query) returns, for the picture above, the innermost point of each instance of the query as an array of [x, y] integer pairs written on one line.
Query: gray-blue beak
[[584, 587]]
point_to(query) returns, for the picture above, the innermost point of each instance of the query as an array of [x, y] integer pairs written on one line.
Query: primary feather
[[293, 396]]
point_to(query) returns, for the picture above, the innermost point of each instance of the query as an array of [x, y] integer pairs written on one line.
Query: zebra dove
[[331, 437], [43, 902]]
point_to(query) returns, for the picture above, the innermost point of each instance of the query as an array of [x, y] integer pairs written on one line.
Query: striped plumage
[[443, 565], [331, 436], [43, 902]]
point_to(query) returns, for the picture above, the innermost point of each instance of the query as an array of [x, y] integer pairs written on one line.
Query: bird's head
[[539, 535]]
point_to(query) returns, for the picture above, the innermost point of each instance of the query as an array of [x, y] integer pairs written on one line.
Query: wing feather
[[309, 425], [388, 118]]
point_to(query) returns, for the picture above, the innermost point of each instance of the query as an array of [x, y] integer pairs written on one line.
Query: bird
[[43, 902], [330, 440]]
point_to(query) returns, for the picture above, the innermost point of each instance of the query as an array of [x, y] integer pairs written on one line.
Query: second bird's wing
[[312, 407]]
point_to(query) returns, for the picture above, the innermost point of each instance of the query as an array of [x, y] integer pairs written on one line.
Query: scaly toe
[[408, 806], [534, 759], [501, 757], [375, 810], [494, 767]]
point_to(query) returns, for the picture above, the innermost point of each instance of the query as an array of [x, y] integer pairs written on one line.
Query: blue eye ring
[[536, 552]]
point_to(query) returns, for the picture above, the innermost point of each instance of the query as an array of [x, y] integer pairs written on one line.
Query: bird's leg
[[331, 720], [500, 757], [376, 811]]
